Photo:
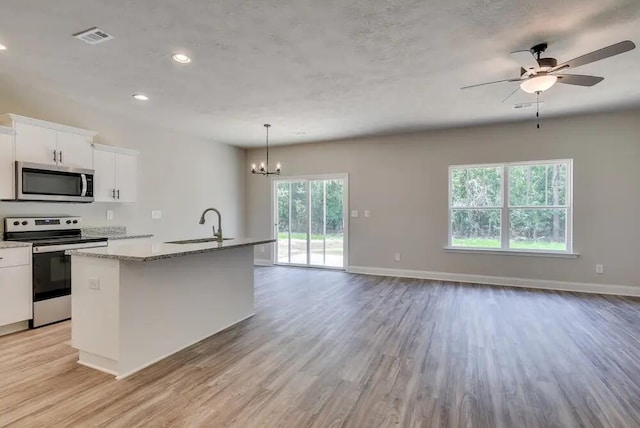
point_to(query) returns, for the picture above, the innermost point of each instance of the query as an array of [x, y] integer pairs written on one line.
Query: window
[[516, 206]]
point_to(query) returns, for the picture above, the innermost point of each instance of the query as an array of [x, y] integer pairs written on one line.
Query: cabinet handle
[[118, 193], [55, 159], [60, 156], [113, 193]]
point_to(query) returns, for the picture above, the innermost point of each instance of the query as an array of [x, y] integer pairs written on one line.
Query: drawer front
[[15, 257], [15, 294]]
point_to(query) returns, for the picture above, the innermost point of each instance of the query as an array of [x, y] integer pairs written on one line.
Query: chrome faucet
[[218, 235]]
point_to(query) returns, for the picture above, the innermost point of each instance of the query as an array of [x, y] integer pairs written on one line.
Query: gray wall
[[178, 174], [402, 180]]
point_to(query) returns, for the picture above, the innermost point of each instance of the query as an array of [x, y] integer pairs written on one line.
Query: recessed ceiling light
[[181, 58], [140, 97], [2, 47]]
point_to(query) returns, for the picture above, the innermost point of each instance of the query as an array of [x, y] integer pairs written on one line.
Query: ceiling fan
[[538, 74]]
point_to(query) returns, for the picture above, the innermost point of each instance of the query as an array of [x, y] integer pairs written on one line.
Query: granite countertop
[[113, 233], [145, 252], [11, 244]]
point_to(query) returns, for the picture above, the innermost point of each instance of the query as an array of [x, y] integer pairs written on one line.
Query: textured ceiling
[[331, 69]]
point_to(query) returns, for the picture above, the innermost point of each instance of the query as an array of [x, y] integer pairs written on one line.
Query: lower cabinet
[[16, 301]]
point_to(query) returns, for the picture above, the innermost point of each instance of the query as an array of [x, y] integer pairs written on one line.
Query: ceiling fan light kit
[[538, 83]]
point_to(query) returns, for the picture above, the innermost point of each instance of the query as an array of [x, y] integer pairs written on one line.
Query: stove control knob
[[16, 223], [75, 221], [68, 221], [24, 223]]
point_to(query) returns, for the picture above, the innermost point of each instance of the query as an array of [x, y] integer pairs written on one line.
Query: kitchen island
[[136, 304]]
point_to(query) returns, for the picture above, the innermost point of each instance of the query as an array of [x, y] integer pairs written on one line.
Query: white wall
[[178, 174], [402, 180]]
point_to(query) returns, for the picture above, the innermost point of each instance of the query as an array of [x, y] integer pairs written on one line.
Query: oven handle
[[84, 184], [63, 247]]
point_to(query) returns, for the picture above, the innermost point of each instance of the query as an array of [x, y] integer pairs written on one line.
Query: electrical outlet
[[366, 213], [94, 283], [599, 268], [354, 213], [109, 214], [156, 214], [397, 257]]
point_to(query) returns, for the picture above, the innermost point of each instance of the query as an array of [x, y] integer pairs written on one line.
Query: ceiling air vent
[[93, 36], [521, 106]]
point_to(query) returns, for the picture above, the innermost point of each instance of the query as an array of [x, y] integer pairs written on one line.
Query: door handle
[[118, 193], [84, 184], [55, 159], [113, 193], [60, 155]]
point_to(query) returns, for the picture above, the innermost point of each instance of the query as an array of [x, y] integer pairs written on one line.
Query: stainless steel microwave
[[39, 182]]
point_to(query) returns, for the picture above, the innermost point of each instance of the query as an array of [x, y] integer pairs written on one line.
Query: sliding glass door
[[310, 221]]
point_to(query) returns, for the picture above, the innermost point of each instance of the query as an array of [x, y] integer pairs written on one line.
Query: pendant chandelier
[[264, 168]]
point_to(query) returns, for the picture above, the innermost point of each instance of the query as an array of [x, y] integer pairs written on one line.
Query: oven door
[[37, 182], [51, 275]]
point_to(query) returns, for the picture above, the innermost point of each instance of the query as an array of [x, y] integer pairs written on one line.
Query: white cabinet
[[104, 179], [116, 174], [50, 143], [126, 177], [16, 302], [75, 150], [6, 163], [36, 144]]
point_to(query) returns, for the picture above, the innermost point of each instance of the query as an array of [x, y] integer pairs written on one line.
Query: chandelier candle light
[[264, 169]]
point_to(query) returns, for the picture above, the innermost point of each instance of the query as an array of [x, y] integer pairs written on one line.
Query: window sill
[[525, 253]]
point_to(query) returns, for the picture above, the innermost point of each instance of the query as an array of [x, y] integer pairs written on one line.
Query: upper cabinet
[[50, 143], [75, 150], [116, 172], [6, 163]]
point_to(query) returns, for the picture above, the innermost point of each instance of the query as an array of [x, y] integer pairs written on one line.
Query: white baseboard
[[262, 262], [582, 287]]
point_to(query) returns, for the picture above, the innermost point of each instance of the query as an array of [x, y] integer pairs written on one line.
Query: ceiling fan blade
[[594, 56], [491, 83], [579, 79], [511, 94], [525, 59]]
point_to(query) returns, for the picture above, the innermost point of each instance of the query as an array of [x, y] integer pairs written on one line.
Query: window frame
[[505, 220]]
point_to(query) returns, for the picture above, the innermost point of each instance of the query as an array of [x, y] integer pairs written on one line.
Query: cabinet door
[[74, 150], [126, 177], [35, 144], [15, 294], [6, 167], [104, 180]]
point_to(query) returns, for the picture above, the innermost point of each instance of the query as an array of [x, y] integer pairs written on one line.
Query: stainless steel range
[[51, 237]]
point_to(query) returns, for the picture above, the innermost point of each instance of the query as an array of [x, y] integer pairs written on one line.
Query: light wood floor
[[329, 349]]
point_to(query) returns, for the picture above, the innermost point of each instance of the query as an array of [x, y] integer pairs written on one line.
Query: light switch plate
[[354, 213], [156, 214], [94, 283], [109, 214]]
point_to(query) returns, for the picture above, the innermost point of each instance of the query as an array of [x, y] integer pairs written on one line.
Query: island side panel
[[169, 304], [94, 311]]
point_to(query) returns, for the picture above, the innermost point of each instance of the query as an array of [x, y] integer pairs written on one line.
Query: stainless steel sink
[[197, 241]]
